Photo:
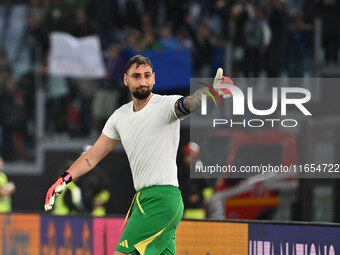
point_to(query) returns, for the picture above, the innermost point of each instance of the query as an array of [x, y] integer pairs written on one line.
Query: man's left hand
[[220, 79]]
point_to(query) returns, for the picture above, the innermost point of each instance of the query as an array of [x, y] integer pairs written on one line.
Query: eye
[[147, 75]]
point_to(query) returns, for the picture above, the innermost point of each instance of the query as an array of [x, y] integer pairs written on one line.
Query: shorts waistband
[[157, 188]]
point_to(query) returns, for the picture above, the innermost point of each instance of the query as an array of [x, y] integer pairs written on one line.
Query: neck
[[139, 104]]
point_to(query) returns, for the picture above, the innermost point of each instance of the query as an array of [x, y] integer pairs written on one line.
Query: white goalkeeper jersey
[[150, 138]]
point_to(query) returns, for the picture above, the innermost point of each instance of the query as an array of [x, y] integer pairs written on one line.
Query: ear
[[125, 79], [154, 78]]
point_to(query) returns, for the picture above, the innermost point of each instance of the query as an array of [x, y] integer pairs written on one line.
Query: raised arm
[[81, 166], [189, 104]]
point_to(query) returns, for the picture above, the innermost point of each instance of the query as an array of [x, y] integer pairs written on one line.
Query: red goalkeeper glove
[[56, 189]]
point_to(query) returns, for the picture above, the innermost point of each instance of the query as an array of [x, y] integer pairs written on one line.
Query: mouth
[[143, 89]]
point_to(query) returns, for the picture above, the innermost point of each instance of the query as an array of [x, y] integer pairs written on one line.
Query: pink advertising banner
[[106, 233]]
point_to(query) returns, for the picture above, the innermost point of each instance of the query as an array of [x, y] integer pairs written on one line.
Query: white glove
[[220, 79], [53, 192], [56, 189]]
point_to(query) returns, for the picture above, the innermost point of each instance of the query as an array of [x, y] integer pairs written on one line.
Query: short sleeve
[[170, 107], [110, 129]]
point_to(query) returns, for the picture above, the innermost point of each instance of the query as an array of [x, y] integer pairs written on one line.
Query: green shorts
[[156, 213]]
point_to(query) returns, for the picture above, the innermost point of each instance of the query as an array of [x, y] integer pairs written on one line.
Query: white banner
[[75, 57]]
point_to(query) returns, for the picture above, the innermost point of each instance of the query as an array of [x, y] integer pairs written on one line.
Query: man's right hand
[[56, 189]]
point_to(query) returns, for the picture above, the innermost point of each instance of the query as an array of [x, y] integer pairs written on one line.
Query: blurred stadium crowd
[[267, 38]]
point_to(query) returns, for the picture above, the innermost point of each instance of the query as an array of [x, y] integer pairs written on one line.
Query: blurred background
[[46, 118]]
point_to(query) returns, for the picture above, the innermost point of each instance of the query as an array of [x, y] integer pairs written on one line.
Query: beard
[[141, 95]]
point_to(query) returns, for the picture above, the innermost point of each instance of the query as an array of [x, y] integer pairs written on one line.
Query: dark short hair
[[138, 60]]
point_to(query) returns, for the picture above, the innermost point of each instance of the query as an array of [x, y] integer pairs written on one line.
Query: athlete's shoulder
[[124, 108], [165, 98]]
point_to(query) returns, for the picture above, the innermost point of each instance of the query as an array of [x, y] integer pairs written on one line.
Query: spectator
[[257, 39], [78, 113], [239, 19], [108, 96], [192, 189], [277, 20], [330, 30], [153, 8], [34, 34], [27, 86], [296, 46], [218, 53], [14, 112], [147, 23], [132, 46], [114, 66], [83, 26], [105, 16], [132, 15], [310, 12], [58, 94], [221, 10], [184, 38], [202, 51], [176, 11], [82, 105], [167, 40], [18, 123], [59, 16], [7, 88], [6, 190], [149, 42]]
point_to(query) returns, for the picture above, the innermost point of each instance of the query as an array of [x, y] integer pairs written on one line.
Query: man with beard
[[148, 128]]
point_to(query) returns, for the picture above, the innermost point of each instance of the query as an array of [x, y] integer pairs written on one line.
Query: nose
[[142, 81]]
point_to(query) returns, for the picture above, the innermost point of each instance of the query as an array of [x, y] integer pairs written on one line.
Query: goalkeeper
[[148, 128]]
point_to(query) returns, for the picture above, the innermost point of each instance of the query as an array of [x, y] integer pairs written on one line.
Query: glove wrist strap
[[67, 177]]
